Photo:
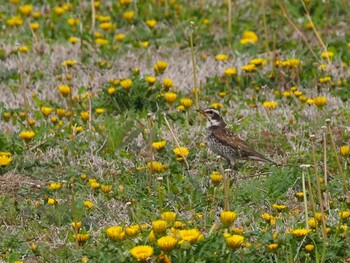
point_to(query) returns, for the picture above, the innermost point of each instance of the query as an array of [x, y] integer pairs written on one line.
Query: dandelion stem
[[150, 127], [298, 30], [90, 109], [160, 196], [315, 30], [229, 24], [319, 194], [338, 161], [305, 199], [23, 88], [176, 141], [74, 208], [194, 65], [263, 3], [93, 16], [325, 176]]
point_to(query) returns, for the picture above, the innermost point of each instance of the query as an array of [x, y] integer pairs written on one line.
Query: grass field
[[103, 155]]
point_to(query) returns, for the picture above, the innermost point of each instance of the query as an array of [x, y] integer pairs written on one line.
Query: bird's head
[[214, 118]]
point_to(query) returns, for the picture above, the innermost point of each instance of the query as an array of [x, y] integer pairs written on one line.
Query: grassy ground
[[95, 103]]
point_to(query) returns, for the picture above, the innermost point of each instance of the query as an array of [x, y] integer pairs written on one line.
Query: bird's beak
[[201, 111]]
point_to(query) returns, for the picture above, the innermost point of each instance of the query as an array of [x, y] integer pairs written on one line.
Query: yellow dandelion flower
[[279, 207], [216, 177], [151, 23], [129, 15], [169, 217], [167, 83], [249, 68], [126, 84], [55, 186], [151, 236], [258, 61], [5, 158], [59, 10], [144, 43], [190, 235], [249, 37], [309, 247], [101, 41], [67, 7], [106, 188], [84, 115], [181, 108], [34, 26], [99, 111], [132, 231], [31, 122], [142, 253], [160, 66], [293, 62], [52, 201], [88, 204], [159, 226], [270, 104], [23, 49], [25, 9], [325, 79], [81, 238], [120, 37], [327, 54], [170, 97], [237, 230], [159, 145], [272, 247], [303, 98], [14, 21], [27, 135], [156, 166], [125, 2], [287, 94], [73, 40], [76, 225], [234, 241], [230, 72], [64, 90], [228, 217], [73, 21], [221, 57], [181, 151], [312, 223], [69, 63], [301, 232], [216, 105], [106, 26], [320, 101], [167, 243], [344, 215], [115, 233], [150, 79], [179, 225], [344, 150], [299, 195], [111, 90], [7, 116], [186, 102], [36, 14]]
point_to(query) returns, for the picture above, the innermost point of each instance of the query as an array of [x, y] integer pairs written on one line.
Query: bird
[[224, 143]]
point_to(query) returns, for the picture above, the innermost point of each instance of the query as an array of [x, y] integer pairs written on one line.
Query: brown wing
[[245, 150]]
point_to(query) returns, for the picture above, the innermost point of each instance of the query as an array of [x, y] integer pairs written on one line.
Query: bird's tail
[[261, 158]]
